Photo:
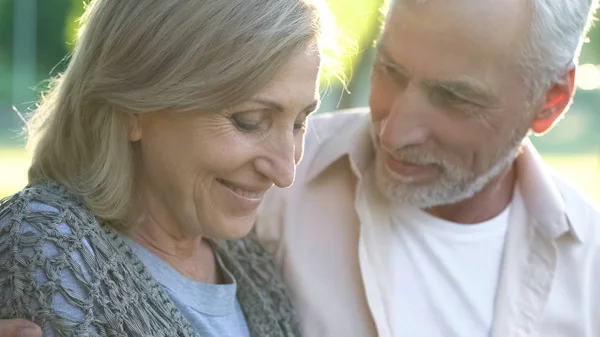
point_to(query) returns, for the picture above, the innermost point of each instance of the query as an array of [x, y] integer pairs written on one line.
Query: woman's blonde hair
[[137, 56]]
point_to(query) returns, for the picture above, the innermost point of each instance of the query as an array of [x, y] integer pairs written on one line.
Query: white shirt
[[446, 273], [339, 269]]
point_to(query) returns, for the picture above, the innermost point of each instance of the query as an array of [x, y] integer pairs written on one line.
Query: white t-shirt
[[446, 274]]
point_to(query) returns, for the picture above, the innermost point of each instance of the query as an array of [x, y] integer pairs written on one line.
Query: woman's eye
[[249, 121]]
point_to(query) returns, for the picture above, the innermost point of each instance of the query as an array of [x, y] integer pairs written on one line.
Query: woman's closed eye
[[251, 121], [300, 125]]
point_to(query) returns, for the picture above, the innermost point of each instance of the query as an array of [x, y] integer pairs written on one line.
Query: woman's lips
[[243, 190]]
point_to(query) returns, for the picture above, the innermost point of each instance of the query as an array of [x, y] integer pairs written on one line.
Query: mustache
[[420, 156], [415, 154]]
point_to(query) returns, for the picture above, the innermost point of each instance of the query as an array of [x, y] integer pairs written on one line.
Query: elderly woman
[[157, 143]]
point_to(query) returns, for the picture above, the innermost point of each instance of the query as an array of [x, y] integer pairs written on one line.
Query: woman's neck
[[192, 257], [189, 253], [157, 229]]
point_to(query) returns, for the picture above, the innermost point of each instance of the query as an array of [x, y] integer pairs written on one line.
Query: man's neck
[[484, 205]]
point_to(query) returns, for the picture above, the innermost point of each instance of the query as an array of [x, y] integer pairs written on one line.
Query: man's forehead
[[465, 85], [502, 23]]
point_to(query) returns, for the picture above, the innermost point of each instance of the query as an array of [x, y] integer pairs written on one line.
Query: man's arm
[[19, 328]]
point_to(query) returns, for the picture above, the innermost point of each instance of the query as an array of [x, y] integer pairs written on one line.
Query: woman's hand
[[19, 328]]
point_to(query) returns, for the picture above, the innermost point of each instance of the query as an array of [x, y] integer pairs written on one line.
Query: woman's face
[[205, 173]]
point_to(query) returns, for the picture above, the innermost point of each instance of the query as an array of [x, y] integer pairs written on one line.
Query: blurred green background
[[36, 37]]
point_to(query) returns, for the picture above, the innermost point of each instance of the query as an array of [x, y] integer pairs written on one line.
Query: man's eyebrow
[[382, 55], [468, 90]]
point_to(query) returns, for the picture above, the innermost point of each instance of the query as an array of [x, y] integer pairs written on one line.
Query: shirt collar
[[545, 205], [353, 141]]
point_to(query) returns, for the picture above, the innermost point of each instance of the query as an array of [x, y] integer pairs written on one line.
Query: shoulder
[[583, 213], [44, 242], [324, 126], [73, 276], [40, 199], [331, 135], [579, 260], [41, 211], [338, 118]]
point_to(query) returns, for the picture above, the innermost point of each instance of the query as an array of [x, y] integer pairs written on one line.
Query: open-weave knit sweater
[[123, 299]]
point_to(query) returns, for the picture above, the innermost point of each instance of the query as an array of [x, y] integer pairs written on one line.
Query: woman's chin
[[231, 228]]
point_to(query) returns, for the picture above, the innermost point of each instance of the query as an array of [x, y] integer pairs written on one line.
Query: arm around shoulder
[[44, 276]]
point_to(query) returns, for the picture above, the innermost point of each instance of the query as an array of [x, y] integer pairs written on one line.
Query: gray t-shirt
[[213, 309]]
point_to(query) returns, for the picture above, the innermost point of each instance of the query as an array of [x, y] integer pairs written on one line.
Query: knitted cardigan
[[122, 298]]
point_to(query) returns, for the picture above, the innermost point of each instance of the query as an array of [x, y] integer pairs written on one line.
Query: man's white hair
[[556, 34]]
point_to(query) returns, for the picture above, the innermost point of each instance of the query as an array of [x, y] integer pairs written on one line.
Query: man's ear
[[135, 128], [558, 98]]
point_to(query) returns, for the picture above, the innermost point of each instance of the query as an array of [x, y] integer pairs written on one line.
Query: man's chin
[[427, 195]]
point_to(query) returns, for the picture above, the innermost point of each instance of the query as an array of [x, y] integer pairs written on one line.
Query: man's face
[[449, 110]]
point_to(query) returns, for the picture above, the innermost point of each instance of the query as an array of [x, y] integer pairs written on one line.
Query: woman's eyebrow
[[278, 107]]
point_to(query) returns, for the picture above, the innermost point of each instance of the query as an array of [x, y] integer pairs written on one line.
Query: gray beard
[[445, 191], [452, 187]]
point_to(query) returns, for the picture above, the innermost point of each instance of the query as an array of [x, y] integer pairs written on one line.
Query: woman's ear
[[135, 128], [558, 98]]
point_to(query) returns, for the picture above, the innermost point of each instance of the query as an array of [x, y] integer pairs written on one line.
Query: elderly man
[[432, 215]]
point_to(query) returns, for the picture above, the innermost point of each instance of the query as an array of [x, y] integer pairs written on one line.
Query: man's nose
[[405, 124]]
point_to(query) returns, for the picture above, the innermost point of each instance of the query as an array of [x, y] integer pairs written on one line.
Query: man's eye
[[445, 97], [249, 121]]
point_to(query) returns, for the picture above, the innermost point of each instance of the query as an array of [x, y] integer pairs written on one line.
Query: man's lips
[[407, 169]]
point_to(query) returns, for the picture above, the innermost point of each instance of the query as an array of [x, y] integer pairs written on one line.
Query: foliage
[[72, 24]]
